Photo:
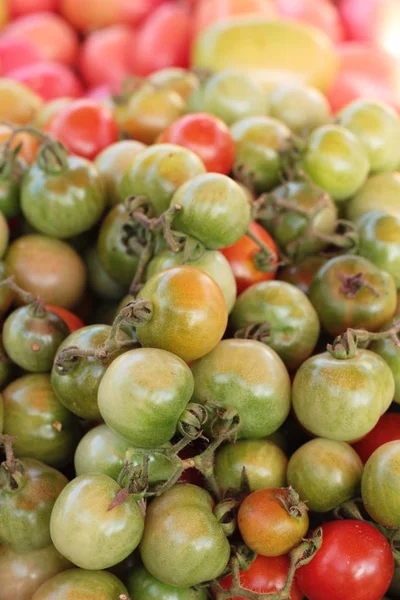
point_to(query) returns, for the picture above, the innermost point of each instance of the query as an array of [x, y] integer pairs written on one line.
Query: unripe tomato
[[82, 585]]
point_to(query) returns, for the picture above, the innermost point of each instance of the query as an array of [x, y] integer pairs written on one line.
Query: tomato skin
[[355, 562], [379, 241], [49, 80], [70, 319], [85, 127], [183, 544], [241, 257], [141, 584], [386, 430], [207, 136], [82, 585], [266, 575]]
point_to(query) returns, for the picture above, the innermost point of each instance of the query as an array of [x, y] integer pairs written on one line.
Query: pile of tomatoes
[[200, 350]]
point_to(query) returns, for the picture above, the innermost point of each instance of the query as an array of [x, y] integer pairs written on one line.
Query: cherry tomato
[[48, 112], [243, 256], [207, 12], [266, 575], [70, 319], [23, 7], [386, 430], [82, 585], [205, 135], [85, 127], [167, 32], [141, 584], [52, 36], [48, 80], [93, 14], [355, 562], [19, 105], [15, 53], [104, 55]]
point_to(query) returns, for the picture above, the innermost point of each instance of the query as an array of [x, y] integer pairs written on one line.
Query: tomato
[[54, 39], [336, 160], [181, 523], [180, 80], [249, 377], [157, 172], [350, 291], [15, 53], [44, 429], [272, 521], [214, 209], [70, 319], [377, 125], [100, 283], [48, 112], [300, 107], [205, 135], [86, 532], [85, 127], [140, 408], [321, 14], [7, 373], [207, 12], [244, 258], [25, 507], [268, 50], [82, 585], [259, 142], [141, 584], [18, 103], [391, 354], [327, 390], [386, 430], [148, 112], [4, 235], [266, 575], [167, 31], [290, 317], [76, 382], [379, 241], [265, 464], [29, 144], [24, 7], [325, 473], [302, 273], [48, 80], [43, 198], [380, 192], [6, 294], [95, 14], [31, 336], [211, 262], [355, 562], [28, 571], [188, 313]]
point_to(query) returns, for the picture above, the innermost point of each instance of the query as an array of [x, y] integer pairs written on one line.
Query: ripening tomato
[[16, 53], [19, 8], [70, 319], [91, 14], [207, 12], [29, 143], [246, 260], [85, 127], [49, 80]]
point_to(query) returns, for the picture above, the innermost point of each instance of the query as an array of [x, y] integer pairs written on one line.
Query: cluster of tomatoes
[[224, 425]]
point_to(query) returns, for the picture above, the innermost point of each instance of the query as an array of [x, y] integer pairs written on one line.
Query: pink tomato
[[49, 80], [19, 8], [320, 13], [16, 53]]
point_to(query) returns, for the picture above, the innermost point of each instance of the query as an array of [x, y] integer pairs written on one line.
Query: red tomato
[[163, 41], [358, 18], [208, 12], [135, 11], [266, 575], [18, 8], [16, 53], [85, 127], [320, 13], [71, 320], [386, 430], [207, 136], [104, 55], [49, 80], [91, 14], [355, 562], [241, 257], [53, 38]]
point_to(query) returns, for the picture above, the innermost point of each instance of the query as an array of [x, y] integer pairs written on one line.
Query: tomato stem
[[292, 503], [345, 346], [145, 256], [352, 284], [260, 332], [264, 259], [11, 468]]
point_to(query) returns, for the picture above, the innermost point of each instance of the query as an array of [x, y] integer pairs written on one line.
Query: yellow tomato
[[19, 105]]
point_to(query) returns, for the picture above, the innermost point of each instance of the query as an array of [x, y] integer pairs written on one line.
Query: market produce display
[[199, 300]]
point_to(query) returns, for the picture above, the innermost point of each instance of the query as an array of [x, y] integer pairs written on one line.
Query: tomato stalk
[[292, 503], [37, 308], [226, 514], [351, 284], [265, 258], [11, 470], [260, 332], [345, 346]]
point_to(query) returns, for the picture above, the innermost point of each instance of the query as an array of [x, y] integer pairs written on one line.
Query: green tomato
[[25, 507], [86, 532], [118, 245], [258, 143], [6, 295], [112, 163], [249, 377], [301, 108], [342, 399], [143, 586], [377, 126], [380, 484], [10, 188], [336, 161], [23, 574], [183, 544], [380, 192], [325, 473], [350, 291], [43, 428], [142, 395], [82, 585], [76, 382], [214, 209], [264, 463], [99, 280], [391, 355], [158, 172], [379, 241], [291, 319], [65, 204], [211, 262], [31, 336]]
